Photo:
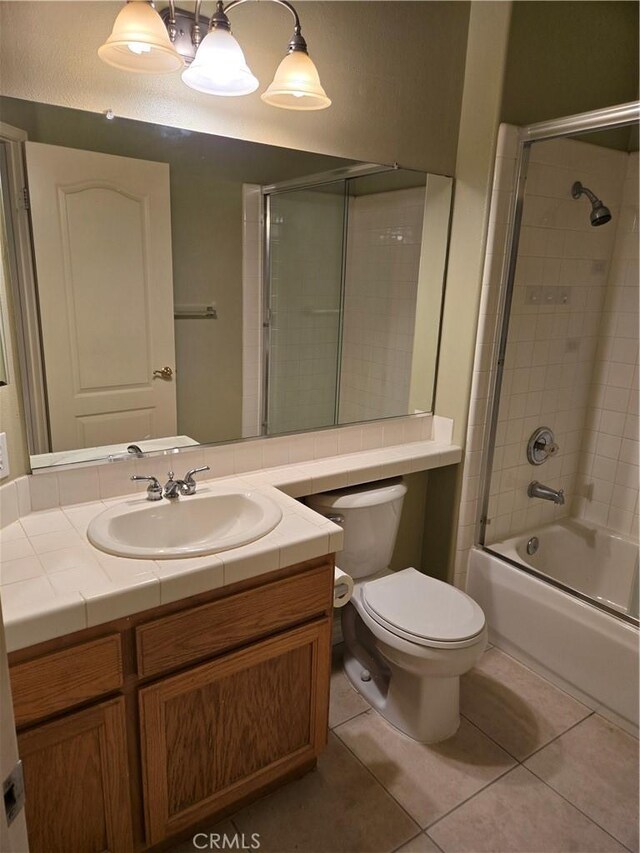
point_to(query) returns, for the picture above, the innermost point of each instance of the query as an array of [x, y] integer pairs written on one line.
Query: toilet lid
[[427, 608]]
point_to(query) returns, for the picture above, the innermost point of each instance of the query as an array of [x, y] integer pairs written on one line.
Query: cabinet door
[[77, 783], [224, 729]]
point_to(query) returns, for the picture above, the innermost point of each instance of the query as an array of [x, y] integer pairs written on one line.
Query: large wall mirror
[[190, 288]]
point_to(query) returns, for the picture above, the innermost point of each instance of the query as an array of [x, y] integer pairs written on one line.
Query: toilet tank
[[370, 515]]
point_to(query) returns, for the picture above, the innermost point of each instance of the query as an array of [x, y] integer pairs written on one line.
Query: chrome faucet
[[172, 488], [154, 489], [189, 482], [546, 493], [184, 487]]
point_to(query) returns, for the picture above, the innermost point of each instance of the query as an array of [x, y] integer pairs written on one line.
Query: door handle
[[165, 373]]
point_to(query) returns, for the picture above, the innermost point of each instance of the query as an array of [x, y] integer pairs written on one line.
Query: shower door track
[[604, 119], [332, 176], [582, 596]]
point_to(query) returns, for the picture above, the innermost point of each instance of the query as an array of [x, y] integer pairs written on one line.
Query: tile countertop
[[54, 582]]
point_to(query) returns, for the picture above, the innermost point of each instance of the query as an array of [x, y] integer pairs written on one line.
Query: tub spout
[[538, 490]]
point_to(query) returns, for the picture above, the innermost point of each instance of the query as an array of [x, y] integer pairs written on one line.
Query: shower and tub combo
[[555, 564]]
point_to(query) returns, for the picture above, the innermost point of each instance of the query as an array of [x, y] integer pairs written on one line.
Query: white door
[[102, 243]]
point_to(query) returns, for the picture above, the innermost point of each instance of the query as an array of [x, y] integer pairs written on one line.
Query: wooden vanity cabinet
[[128, 739], [221, 730], [77, 782]]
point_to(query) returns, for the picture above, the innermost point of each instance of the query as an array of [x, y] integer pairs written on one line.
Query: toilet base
[[424, 708]]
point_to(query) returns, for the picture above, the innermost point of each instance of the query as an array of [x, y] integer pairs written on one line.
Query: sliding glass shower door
[[305, 240]]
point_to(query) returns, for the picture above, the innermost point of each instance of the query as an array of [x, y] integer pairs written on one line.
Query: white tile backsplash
[[113, 478]]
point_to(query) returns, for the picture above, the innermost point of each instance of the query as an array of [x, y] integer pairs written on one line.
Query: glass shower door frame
[[319, 179], [604, 119]]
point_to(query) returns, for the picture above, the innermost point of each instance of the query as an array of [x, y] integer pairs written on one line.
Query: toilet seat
[[423, 610]]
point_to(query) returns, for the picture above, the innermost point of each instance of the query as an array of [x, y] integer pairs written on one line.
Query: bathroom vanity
[[152, 697], [140, 729]]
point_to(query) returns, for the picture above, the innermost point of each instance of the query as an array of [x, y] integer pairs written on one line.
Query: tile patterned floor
[[531, 770]]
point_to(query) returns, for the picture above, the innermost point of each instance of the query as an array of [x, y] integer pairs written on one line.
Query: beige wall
[[206, 226], [206, 175], [570, 57], [480, 116], [394, 71], [412, 86]]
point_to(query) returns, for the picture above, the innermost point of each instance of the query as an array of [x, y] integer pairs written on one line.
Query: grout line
[[470, 797], [578, 809], [423, 829], [348, 719], [489, 737], [557, 737], [415, 837], [375, 778], [437, 846]]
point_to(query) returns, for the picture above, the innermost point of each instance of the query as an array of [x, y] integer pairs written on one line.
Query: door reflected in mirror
[[194, 289]]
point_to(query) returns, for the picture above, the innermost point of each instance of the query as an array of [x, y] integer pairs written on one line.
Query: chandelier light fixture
[[147, 42]]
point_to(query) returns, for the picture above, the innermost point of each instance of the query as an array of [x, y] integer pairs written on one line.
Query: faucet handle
[[154, 489], [190, 482]]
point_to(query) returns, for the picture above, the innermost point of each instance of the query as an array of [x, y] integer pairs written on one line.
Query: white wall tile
[[572, 346], [44, 491], [8, 504]]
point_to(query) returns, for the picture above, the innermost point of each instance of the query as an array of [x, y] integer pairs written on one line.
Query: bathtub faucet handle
[[541, 446]]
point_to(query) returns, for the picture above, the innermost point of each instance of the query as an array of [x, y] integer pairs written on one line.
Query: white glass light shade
[[139, 42], [296, 85], [220, 67]]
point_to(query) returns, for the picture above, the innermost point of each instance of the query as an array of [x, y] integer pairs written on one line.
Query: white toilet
[[408, 637]]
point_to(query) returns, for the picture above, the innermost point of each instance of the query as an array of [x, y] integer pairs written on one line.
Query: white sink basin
[[184, 527]]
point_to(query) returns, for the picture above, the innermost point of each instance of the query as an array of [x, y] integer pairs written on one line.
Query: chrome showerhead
[[600, 214]]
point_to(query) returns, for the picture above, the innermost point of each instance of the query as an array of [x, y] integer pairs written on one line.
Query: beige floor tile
[[421, 844], [337, 808], [520, 814], [595, 766], [427, 780], [221, 834], [514, 706], [345, 702]]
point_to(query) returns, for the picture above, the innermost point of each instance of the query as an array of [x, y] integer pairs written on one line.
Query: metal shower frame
[[343, 173], [622, 115]]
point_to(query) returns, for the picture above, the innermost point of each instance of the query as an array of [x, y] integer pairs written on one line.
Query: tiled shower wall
[[557, 306], [607, 491], [556, 318], [383, 259], [306, 283]]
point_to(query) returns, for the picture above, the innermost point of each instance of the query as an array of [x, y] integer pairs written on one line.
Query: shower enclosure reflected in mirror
[[196, 289], [569, 512], [349, 295]]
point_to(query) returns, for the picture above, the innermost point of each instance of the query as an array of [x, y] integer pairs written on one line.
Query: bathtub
[[592, 560], [586, 651]]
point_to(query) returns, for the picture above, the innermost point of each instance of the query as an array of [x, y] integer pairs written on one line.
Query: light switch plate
[[4, 456]]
